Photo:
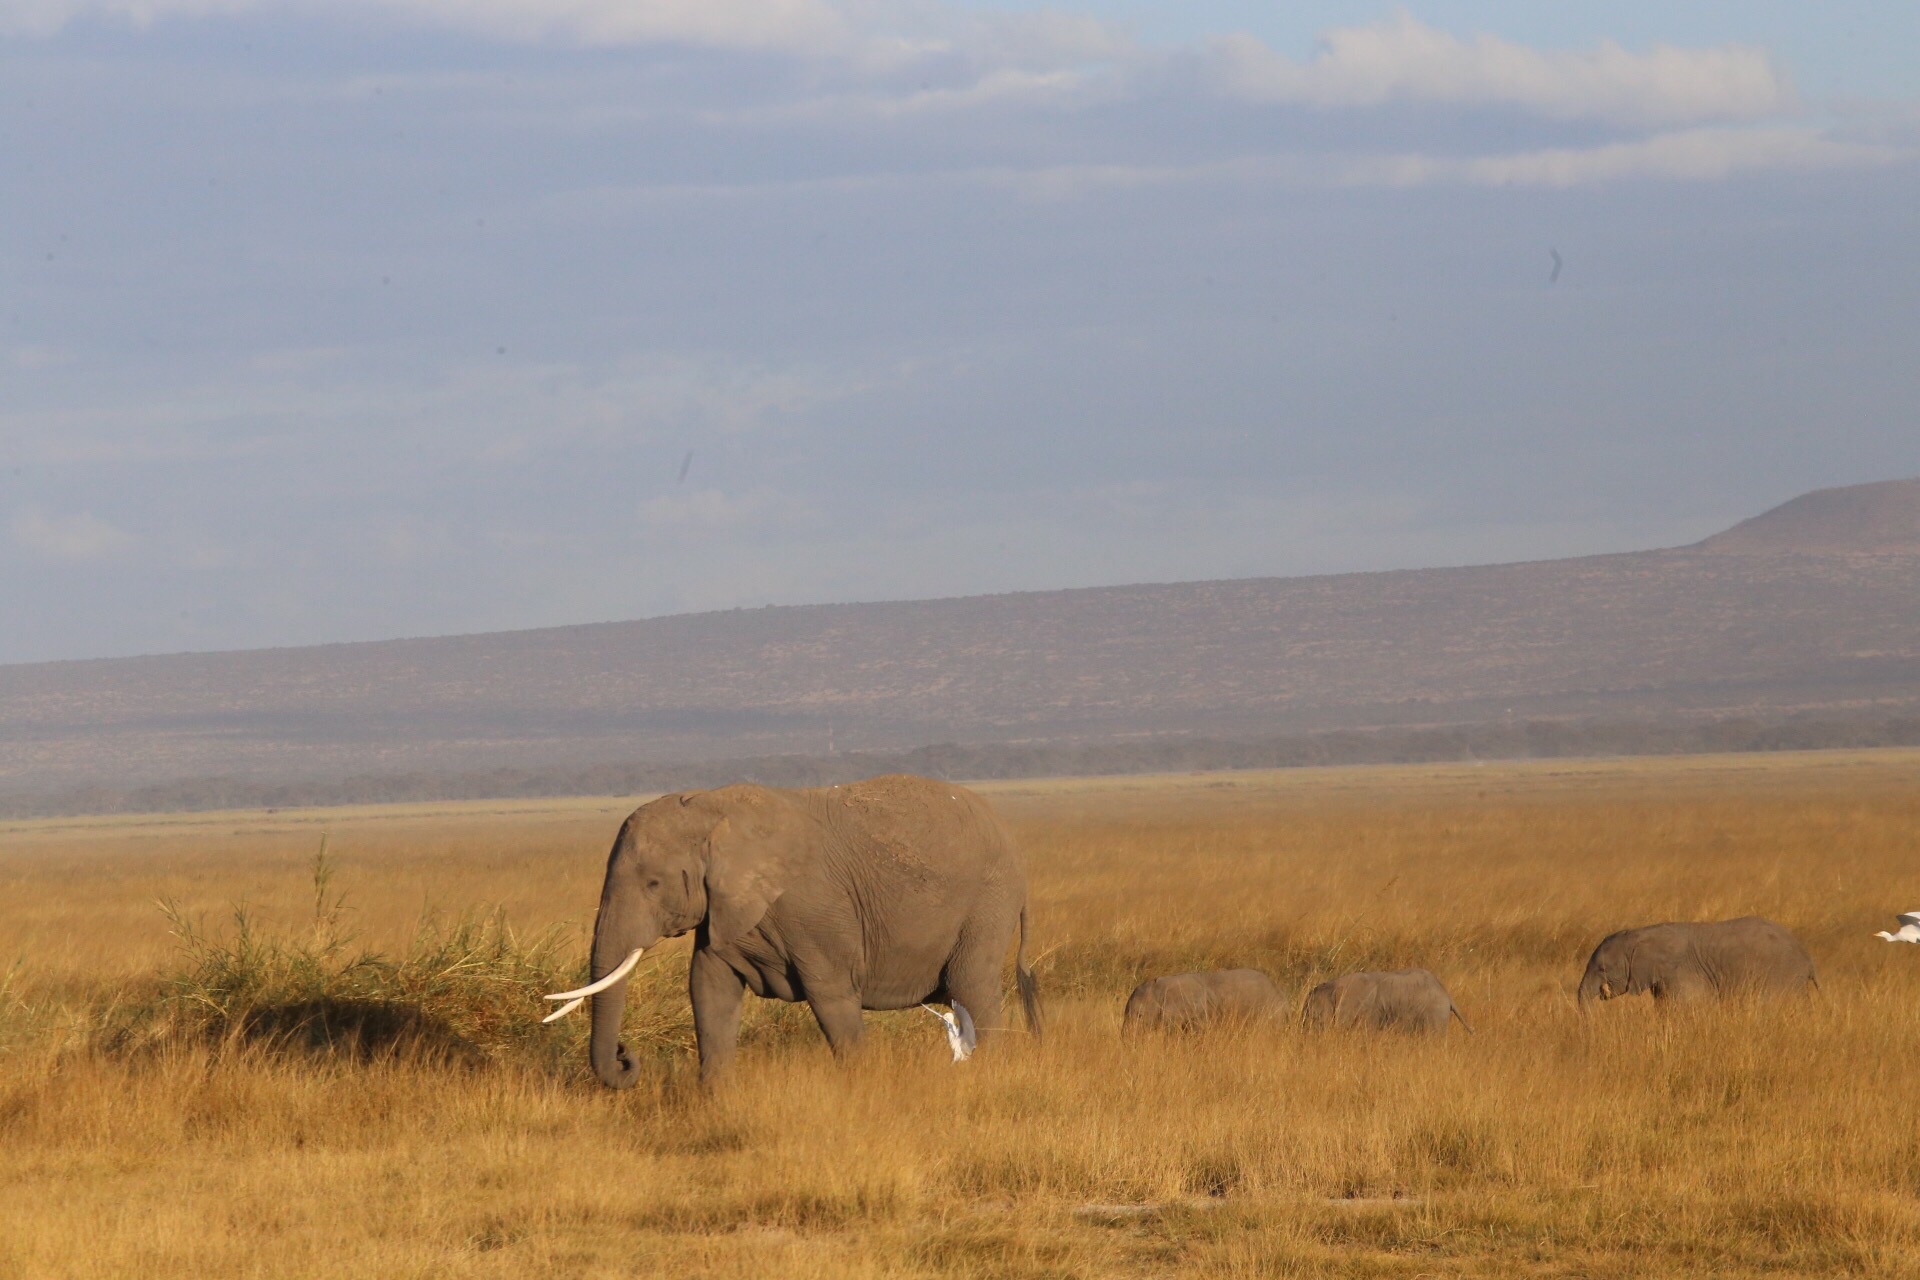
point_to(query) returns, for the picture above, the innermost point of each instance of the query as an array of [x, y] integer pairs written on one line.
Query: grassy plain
[[147, 1128]]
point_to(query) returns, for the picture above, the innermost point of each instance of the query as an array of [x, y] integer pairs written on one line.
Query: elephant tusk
[[595, 988], [565, 1009]]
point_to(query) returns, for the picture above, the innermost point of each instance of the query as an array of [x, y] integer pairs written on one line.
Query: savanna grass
[[1629, 1141], [461, 989]]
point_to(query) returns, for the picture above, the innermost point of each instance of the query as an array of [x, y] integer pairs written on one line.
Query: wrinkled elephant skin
[[1698, 961], [1410, 1000], [881, 894]]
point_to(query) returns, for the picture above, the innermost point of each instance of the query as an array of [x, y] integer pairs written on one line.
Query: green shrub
[[463, 989]]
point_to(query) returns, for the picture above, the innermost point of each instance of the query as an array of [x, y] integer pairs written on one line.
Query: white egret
[[1909, 929], [961, 1036]]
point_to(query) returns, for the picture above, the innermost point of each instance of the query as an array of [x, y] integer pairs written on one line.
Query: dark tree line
[[1530, 739]]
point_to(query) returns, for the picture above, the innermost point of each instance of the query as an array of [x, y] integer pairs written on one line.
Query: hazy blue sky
[[397, 317]]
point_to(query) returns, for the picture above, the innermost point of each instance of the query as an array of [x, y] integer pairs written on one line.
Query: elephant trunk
[[612, 952], [1589, 988]]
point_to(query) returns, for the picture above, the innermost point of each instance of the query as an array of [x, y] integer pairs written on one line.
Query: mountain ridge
[[1882, 518], [1748, 536], [1768, 626]]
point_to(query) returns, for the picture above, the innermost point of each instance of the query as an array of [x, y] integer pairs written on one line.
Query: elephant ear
[[751, 854], [1633, 979], [1651, 958]]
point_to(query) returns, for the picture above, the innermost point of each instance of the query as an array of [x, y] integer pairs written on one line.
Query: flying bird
[[1909, 929], [1555, 276], [961, 1036]]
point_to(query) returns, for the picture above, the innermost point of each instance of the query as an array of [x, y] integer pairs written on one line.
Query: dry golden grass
[[1631, 1142]]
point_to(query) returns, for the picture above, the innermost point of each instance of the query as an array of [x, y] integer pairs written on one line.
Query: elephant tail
[[1023, 975], [1463, 1020]]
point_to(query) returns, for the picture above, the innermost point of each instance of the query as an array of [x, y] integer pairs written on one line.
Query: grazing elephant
[[1403, 1000], [880, 894], [1698, 961], [1188, 1001]]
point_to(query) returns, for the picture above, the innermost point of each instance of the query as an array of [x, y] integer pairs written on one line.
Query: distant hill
[[1811, 607], [1860, 519]]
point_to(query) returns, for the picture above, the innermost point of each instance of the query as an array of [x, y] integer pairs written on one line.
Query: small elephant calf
[[1698, 961], [1189, 1001], [1404, 1000]]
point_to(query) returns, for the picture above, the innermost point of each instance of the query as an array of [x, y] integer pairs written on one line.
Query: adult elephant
[[881, 894], [1698, 961]]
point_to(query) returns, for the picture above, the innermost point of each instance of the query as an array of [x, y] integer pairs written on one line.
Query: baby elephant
[[1698, 961], [1404, 1000], [1188, 1001]]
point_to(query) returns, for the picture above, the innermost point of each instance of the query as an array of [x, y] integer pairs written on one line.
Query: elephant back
[[1755, 954], [921, 826]]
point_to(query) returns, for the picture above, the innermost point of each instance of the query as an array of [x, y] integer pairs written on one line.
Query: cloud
[[660, 398], [813, 26], [1683, 155], [1000, 88], [1047, 59], [1402, 60], [44, 17], [793, 25], [1397, 60], [83, 536], [1687, 155], [875, 36]]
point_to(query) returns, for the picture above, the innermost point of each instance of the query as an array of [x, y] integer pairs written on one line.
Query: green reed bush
[[466, 988]]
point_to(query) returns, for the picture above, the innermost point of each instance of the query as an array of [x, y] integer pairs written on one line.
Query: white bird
[[961, 1036], [1909, 929]]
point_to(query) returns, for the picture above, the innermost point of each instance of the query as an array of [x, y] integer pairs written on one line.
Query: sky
[[376, 318]]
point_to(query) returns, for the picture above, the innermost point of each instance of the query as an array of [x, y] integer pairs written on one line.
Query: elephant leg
[[981, 996], [1688, 986], [717, 993], [838, 1013], [973, 978]]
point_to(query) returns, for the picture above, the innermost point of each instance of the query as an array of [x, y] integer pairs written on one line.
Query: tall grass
[[216, 1136]]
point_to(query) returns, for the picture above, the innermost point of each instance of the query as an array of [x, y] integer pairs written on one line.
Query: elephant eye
[[653, 884]]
